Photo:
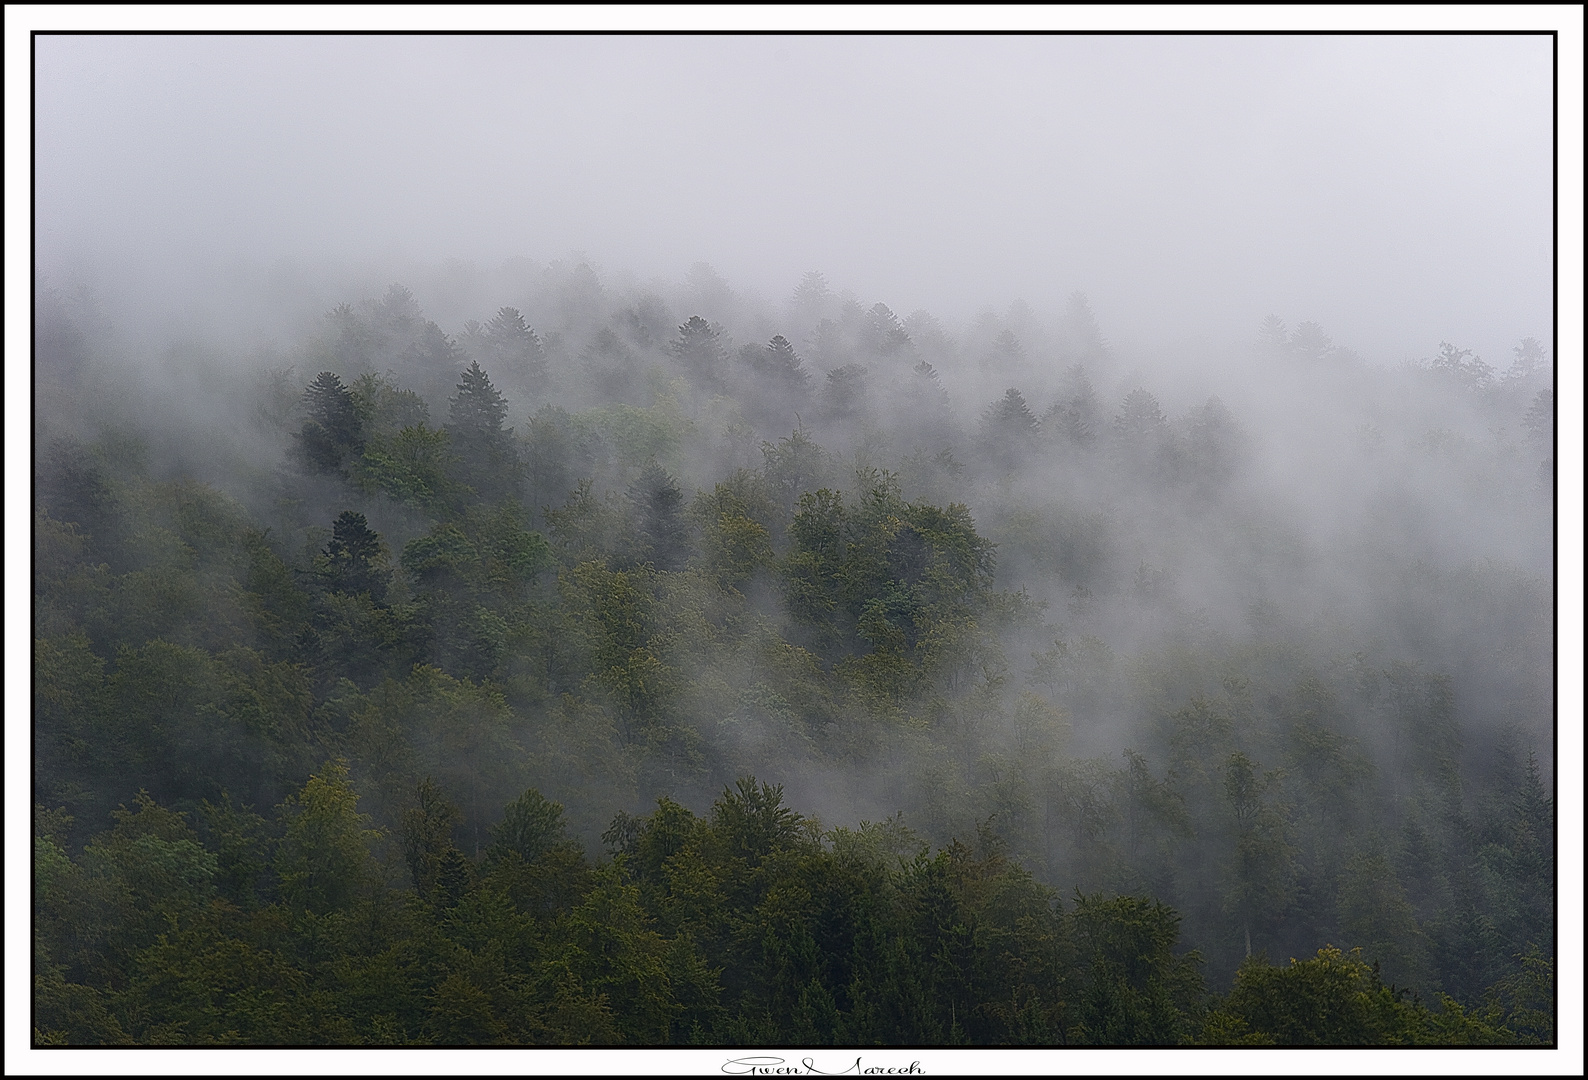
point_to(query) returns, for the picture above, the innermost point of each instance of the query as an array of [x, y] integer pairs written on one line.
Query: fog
[[1395, 189], [925, 424]]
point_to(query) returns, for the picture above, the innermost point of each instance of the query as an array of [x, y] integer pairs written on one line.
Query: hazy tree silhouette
[[334, 430], [699, 351], [658, 505]]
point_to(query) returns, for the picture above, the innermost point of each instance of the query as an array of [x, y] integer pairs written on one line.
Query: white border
[[20, 20]]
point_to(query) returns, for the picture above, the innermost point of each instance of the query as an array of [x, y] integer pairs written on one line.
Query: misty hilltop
[[1263, 636]]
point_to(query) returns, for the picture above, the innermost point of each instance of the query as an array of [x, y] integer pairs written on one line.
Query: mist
[[1039, 438], [1395, 189]]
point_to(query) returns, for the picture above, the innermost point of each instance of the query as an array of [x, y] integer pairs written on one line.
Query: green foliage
[[334, 430], [324, 859], [485, 458], [411, 466], [1335, 999], [564, 617], [637, 435], [427, 835], [1136, 990], [662, 539], [356, 558], [431, 725], [743, 926], [531, 827], [894, 585]]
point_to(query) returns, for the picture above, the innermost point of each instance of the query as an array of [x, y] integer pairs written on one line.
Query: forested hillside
[[645, 665]]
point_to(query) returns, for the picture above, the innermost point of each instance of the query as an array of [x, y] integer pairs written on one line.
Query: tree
[[750, 821], [1008, 429], [514, 346], [75, 486], [792, 466], [811, 296], [699, 349], [1309, 342], [888, 335], [844, 393], [324, 859], [779, 364], [1540, 424], [1539, 420], [1261, 876], [1374, 914], [1134, 990], [608, 944], [1272, 335], [483, 446], [662, 532], [1074, 415], [1213, 446], [902, 581], [334, 431], [430, 360], [1142, 438], [478, 410], [1532, 359], [1006, 354], [356, 558], [531, 826], [1139, 418], [1080, 326], [534, 859], [1462, 368], [1012, 414], [427, 834], [1333, 999]]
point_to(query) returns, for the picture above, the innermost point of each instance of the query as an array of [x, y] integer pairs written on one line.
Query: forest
[[540, 656]]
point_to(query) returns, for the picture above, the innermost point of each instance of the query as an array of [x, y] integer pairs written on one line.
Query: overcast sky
[[1395, 189]]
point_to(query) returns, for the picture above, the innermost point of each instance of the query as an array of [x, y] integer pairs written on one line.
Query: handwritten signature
[[776, 1066]]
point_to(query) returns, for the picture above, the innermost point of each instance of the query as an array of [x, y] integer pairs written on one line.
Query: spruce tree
[[663, 538], [357, 558], [334, 430], [484, 446], [699, 349]]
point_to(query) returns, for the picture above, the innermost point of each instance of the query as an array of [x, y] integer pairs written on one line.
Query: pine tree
[[1006, 354], [453, 878], [1080, 326], [477, 409], [1309, 342], [811, 294], [427, 835], [887, 334], [777, 363], [513, 344], [483, 445], [334, 430], [1012, 415], [1142, 438], [699, 349], [663, 537], [1271, 334], [357, 558], [1074, 415]]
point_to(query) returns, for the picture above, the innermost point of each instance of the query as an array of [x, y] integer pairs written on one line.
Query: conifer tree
[[663, 537], [334, 431], [357, 558], [1075, 415], [699, 349], [483, 445]]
